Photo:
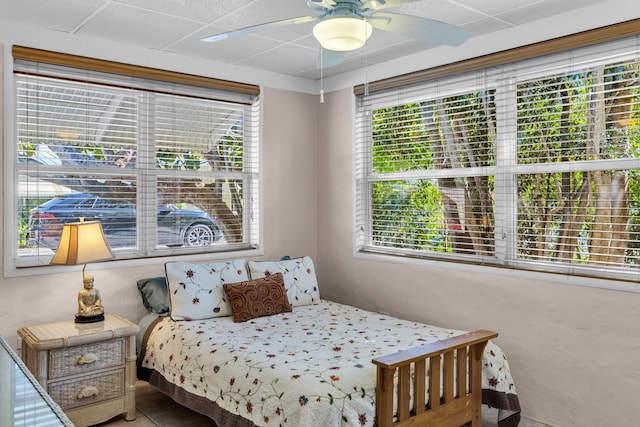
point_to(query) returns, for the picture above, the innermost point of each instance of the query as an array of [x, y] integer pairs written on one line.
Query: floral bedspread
[[311, 367]]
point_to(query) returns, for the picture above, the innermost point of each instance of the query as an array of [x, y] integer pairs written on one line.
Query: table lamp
[[80, 243]]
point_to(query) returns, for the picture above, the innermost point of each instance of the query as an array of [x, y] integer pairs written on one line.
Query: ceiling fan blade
[[328, 58], [260, 27], [324, 4], [370, 5], [423, 29]]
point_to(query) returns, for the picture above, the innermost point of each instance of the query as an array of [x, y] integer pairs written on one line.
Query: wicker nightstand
[[88, 369]]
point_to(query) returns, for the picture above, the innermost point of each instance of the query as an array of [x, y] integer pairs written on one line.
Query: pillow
[[299, 278], [257, 298], [155, 295], [195, 289]]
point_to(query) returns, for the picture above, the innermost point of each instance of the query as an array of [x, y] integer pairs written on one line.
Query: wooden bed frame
[[460, 400]]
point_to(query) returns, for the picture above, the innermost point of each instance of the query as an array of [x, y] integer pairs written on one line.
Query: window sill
[[11, 271], [513, 273]]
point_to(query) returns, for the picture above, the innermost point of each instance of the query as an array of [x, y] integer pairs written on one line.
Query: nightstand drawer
[[81, 391], [86, 358]]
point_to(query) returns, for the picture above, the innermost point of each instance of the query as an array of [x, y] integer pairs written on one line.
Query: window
[[533, 164], [167, 168]]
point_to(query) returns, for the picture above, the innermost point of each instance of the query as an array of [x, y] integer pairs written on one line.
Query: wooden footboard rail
[[459, 401]]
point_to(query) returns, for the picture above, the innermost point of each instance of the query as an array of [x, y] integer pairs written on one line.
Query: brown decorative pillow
[[257, 298]]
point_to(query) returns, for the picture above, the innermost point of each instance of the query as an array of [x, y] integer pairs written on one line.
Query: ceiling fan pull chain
[[321, 76], [366, 64]]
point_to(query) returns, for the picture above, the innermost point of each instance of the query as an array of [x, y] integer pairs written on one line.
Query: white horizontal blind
[[578, 157], [166, 168], [532, 164], [425, 163]]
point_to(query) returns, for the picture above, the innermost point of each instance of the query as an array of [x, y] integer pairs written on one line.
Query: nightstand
[[89, 369]]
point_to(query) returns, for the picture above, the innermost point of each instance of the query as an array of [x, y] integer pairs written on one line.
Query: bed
[[212, 344]]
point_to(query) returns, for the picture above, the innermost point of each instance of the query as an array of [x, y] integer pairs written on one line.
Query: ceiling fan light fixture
[[342, 33]]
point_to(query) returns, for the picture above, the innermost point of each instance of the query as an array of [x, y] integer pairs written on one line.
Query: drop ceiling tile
[[380, 39], [346, 66], [229, 51], [494, 7], [544, 9], [287, 59], [198, 10], [289, 32], [63, 15], [136, 26], [485, 26], [264, 11], [440, 11], [308, 41], [398, 50]]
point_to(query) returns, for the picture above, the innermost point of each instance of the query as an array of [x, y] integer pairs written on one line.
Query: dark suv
[[176, 226]]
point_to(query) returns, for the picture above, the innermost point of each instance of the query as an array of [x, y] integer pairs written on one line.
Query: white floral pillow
[[196, 289], [299, 278]]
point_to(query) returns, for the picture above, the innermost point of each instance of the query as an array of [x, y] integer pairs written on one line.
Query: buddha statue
[[90, 307]]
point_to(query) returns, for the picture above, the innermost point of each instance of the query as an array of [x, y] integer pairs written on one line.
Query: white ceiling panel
[[450, 13], [493, 7], [228, 51], [544, 9], [197, 10], [349, 64], [290, 33], [263, 11], [136, 26], [405, 48], [293, 58], [486, 25], [63, 15]]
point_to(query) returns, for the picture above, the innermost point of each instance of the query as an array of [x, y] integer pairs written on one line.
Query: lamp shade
[[80, 243], [342, 33]]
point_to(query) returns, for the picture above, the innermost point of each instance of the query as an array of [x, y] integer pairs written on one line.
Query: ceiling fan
[[345, 25]]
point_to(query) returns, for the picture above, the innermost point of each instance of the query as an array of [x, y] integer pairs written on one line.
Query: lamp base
[[89, 319]]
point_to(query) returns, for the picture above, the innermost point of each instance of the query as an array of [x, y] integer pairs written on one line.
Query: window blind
[[167, 168], [532, 164]]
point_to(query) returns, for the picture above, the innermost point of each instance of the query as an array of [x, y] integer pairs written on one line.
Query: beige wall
[[574, 351], [289, 204]]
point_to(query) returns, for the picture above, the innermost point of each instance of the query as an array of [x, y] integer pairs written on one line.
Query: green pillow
[[155, 295]]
